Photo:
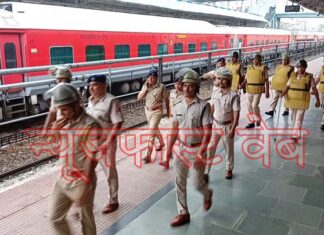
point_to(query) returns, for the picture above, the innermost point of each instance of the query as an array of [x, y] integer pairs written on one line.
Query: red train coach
[[35, 35]]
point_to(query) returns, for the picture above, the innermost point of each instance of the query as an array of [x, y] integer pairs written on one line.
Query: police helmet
[[181, 73], [65, 94], [224, 73], [61, 72], [191, 77], [285, 56]]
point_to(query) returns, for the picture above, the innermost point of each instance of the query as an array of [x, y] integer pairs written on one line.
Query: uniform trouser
[[108, 164], [184, 157], [61, 201], [220, 132], [275, 100], [154, 118], [297, 118], [253, 107], [322, 100]]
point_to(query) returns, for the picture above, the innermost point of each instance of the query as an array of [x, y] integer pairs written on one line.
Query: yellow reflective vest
[[321, 85], [281, 77], [235, 69], [298, 95], [255, 79]]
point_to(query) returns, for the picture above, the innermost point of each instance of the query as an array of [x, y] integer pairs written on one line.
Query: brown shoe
[[180, 219], [111, 207], [229, 174], [147, 159], [165, 164], [208, 201]]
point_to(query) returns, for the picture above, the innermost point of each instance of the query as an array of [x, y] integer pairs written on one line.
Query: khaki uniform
[[279, 82], [255, 86], [107, 111], [237, 72], [298, 98], [175, 97], [224, 106], [321, 91], [155, 96], [67, 189], [191, 119]]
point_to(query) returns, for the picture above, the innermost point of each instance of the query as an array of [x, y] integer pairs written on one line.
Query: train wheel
[[135, 86]]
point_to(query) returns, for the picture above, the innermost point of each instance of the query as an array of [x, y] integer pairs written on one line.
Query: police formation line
[[206, 122]]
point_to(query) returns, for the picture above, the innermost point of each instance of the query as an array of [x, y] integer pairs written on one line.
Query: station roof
[[315, 5]]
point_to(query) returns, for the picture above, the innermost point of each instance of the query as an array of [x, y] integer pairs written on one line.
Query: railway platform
[[275, 198]]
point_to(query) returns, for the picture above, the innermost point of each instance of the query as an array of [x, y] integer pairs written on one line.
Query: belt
[[192, 145], [322, 82], [153, 109], [223, 122], [298, 89], [255, 84]]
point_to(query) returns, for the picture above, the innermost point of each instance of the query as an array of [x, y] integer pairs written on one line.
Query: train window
[[144, 50], [178, 48], [203, 46], [240, 42], [162, 49], [267, 41], [257, 42], [191, 47], [121, 51], [232, 43], [61, 55], [94, 53], [214, 45], [251, 43], [10, 54]]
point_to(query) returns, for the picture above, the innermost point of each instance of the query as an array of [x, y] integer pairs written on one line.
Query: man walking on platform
[[237, 71], [226, 106], [279, 82], [154, 94], [77, 181], [191, 128], [256, 80], [106, 109], [297, 96], [320, 80]]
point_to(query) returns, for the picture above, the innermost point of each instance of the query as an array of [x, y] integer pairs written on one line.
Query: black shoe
[[206, 178], [285, 113], [322, 127], [270, 113], [250, 125]]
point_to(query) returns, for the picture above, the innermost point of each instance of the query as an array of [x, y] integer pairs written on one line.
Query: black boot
[[285, 113], [270, 113], [250, 125]]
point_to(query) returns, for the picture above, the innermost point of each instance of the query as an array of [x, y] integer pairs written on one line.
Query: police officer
[[256, 80], [77, 181], [62, 75], [297, 96], [226, 106], [176, 95], [320, 80], [106, 109], [237, 71], [212, 74], [191, 128], [154, 94], [279, 82]]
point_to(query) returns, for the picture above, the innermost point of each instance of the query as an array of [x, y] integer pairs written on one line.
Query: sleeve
[[206, 117], [174, 115], [236, 103], [115, 112]]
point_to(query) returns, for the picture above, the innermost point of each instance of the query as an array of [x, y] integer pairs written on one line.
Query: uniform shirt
[[191, 119], [175, 97], [225, 104], [312, 81], [106, 110], [155, 95], [85, 131], [215, 90]]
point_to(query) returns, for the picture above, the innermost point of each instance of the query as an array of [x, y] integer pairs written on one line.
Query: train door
[[10, 57]]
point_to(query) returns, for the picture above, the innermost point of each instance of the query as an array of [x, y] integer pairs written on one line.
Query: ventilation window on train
[[162, 49], [214, 45], [178, 48], [10, 55], [203, 46], [144, 50], [94, 53], [191, 47], [122, 51], [61, 55]]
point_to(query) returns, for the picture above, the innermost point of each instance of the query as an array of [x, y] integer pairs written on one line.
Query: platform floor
[[284, 199]]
